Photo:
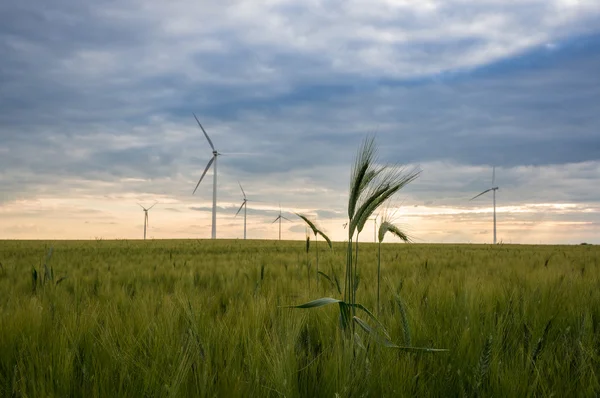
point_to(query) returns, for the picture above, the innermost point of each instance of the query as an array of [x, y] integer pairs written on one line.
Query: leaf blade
[[320, 302], [387, 343]]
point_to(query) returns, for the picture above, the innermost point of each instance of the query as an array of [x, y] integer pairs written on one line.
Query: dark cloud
[[506, 116]]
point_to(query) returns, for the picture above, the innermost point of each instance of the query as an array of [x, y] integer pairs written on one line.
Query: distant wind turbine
[[146, 216], [280, 217], [374, 228], [493, 189], [210, 162], [245, 206]]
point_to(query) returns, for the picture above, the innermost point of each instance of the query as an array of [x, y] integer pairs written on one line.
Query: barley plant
[[316, 231], [371, 185], [385, 227]]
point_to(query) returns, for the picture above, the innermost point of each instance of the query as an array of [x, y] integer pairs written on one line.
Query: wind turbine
[[210, 162], [280, 217], [493, 189], [146, 216], [245, 206], [374, 228]]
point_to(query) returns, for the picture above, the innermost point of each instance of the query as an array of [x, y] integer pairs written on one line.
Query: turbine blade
[[486, 191], [152, 205], [274, 221], [141, 206], [240, 209], [210, 162], [285, 218], [242, 190], [240, 153], [206, 135]]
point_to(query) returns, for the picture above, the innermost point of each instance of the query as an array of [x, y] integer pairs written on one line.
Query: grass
[[204, 318]]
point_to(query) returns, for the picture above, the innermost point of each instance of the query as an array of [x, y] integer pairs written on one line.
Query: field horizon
[[296, 241]]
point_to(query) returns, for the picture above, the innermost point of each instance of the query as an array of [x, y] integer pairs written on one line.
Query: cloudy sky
[[96, 102]]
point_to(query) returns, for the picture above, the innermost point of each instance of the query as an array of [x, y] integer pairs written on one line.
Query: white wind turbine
[[210, 162], [146, 216], [280, 217], [493, 189], [374, 228], [245, 206]]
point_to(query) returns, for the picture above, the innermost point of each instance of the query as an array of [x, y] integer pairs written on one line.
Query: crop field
[[210, 318]]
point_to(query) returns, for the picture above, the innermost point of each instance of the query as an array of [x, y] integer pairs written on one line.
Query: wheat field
[[210, 318]]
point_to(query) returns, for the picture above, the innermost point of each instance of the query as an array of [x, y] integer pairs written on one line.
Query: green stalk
[[348, 267], [378, 275], [349, 277], [307, 261], [308, 273], [317, 250], [348, 282], [354, 287]]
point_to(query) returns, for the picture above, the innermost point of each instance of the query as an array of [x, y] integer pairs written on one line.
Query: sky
[[97, 102]]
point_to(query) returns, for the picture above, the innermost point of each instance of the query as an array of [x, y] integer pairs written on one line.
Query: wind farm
[[292, 227], [324, 219]]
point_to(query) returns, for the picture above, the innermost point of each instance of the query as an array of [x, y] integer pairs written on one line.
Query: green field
[[205, 318]]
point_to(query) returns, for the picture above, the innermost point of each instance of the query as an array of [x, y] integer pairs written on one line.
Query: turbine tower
[[374, 228], [210, 162], [493, 189], [146, 216], [245, 206], [280, 217]]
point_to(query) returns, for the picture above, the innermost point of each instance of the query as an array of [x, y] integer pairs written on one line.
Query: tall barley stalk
[[307, 260], [371, 186]]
